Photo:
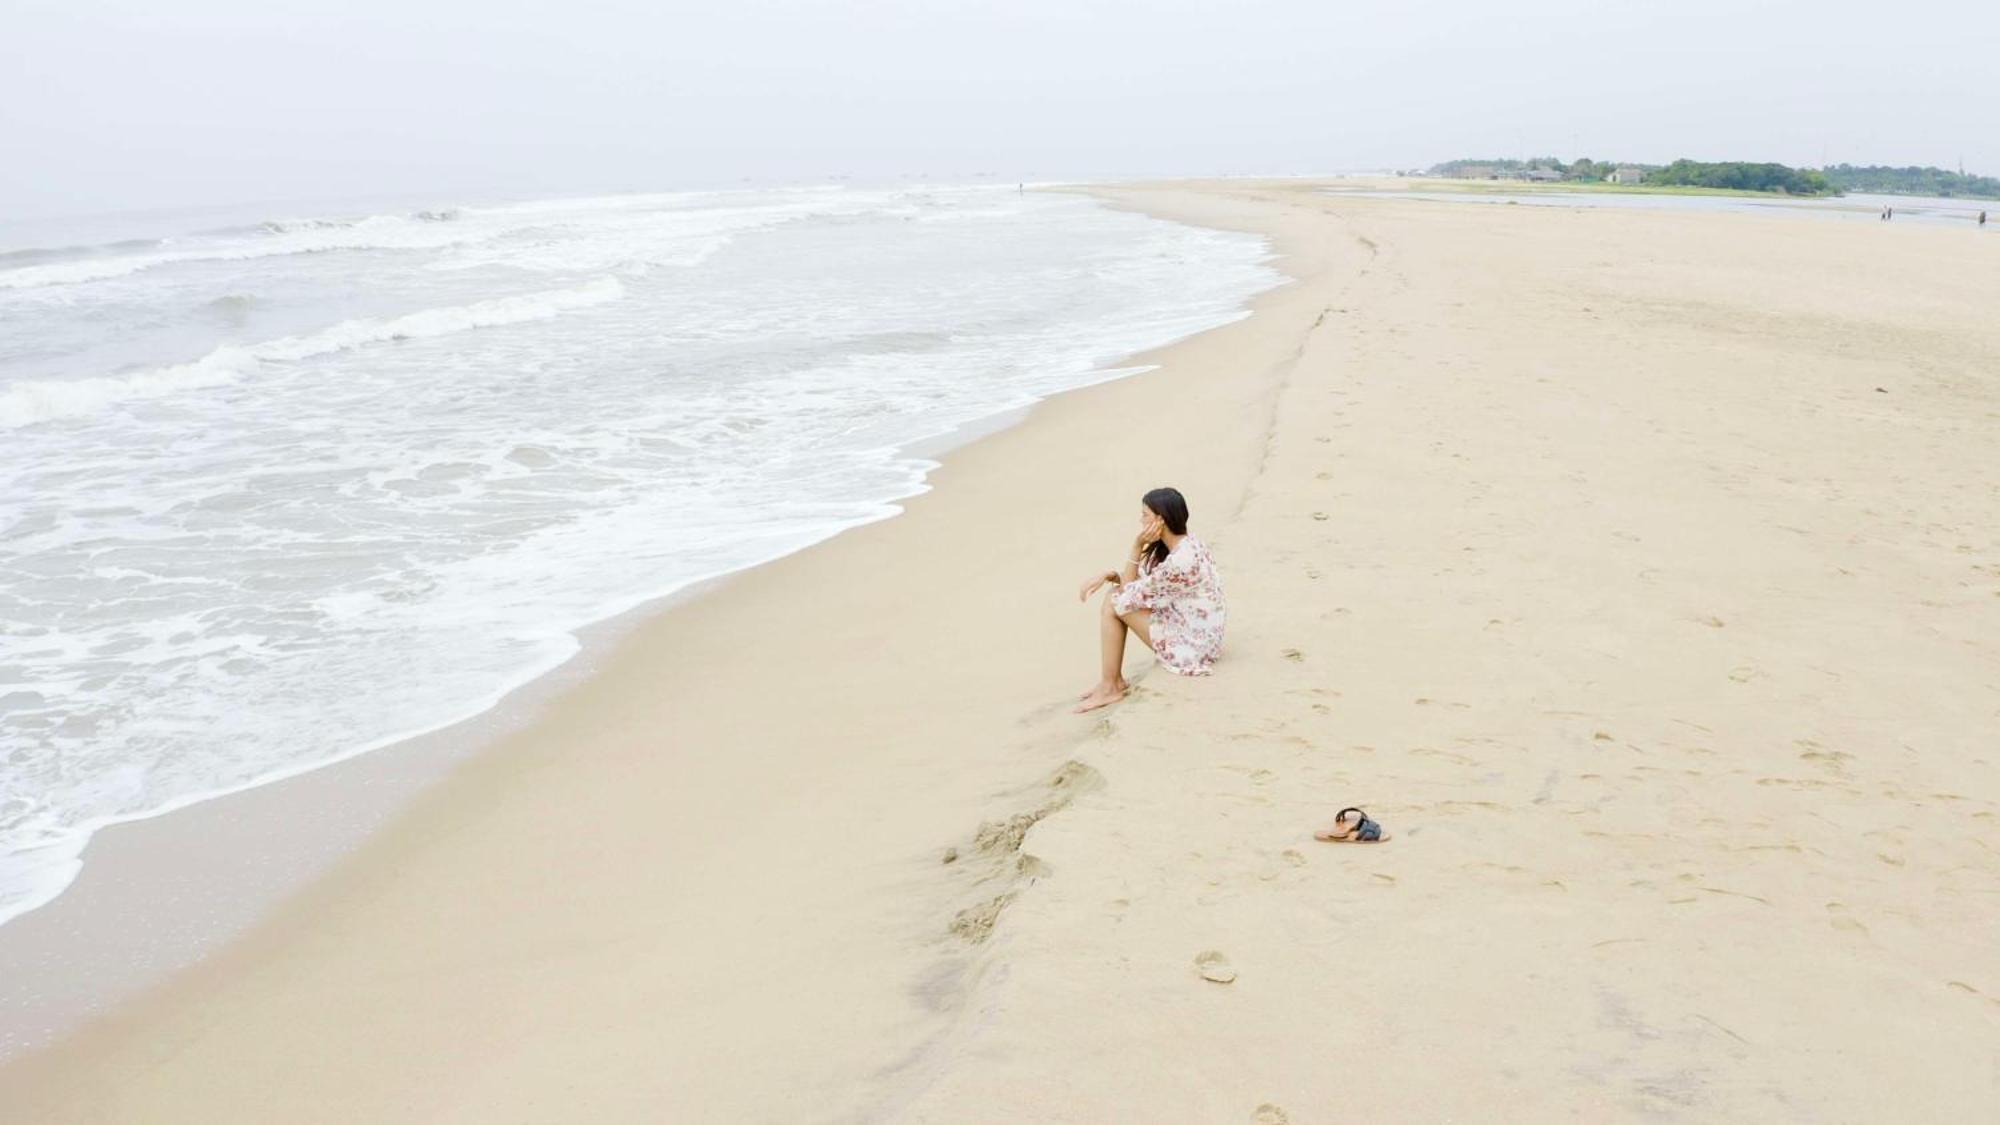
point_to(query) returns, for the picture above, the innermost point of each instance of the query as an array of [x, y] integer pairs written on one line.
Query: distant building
[[1542, 175], [1476, 172], [1626, 176]]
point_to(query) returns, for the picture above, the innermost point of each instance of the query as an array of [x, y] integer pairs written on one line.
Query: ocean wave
[[684, 215], [428, 230], [28, 403], [36, 255], [293, 226], [290, 226]]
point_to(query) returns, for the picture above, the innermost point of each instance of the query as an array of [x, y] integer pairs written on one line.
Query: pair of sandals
[[1362, 831]]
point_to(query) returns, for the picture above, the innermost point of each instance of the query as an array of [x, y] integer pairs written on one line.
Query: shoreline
[[238, 853], [1670, 700]]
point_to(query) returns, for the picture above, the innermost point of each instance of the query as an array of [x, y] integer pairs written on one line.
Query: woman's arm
[[1128, 571], [1096, 583]]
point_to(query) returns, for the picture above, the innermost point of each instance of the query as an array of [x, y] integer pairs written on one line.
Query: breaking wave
[[27, 403], [426, 230]]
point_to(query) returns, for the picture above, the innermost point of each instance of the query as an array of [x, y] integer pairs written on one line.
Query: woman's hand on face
[[1150, 532]]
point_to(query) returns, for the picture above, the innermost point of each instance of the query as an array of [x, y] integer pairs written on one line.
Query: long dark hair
[[1171, 507]]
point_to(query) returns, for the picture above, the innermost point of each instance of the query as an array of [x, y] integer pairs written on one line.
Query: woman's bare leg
[[1110, 648], [1110, 652], [1112, 628], [1110, 685], [1111, 645]]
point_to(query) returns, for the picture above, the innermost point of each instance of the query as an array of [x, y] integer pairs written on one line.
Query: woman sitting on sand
[[1167, 592]]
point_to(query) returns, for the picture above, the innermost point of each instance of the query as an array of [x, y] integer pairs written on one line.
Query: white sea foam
[[705, 218], [221, 572], [30, 401], [276, 239]]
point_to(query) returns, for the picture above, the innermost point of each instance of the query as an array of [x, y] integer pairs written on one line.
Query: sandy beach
[[1636, 569]]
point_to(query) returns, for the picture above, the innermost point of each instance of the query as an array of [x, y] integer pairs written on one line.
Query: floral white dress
[[1185, 594]]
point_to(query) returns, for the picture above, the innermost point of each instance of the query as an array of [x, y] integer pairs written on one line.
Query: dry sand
[[1580, 547]]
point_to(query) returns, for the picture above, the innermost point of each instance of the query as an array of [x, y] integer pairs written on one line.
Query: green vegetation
[[1568, 187], [1545, 169], [1733, 177], [1738, 176], [1881, 180], [1586, 170], [1505, 168]]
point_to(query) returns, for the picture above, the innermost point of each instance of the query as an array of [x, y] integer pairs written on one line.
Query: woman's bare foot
[[1119, 685], [1103, 695]]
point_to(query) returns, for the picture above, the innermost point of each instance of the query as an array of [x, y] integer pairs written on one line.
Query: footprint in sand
[[1268, 1114], [1294, 654], [1321, 516], [1963, 987], [1833, 761], [1841, 920], [1213, 966], [975, 923]]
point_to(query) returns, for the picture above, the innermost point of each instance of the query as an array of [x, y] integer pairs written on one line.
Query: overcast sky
[[116, 104]]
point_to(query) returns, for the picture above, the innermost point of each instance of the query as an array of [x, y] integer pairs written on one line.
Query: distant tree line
[[1499, 166], [1882, 180], [1738, 176], [1583, 169], [1732, 175], [1588, 170]]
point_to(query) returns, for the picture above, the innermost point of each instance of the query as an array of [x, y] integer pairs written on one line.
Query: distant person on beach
[[1982, 218], [1167, 591]]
